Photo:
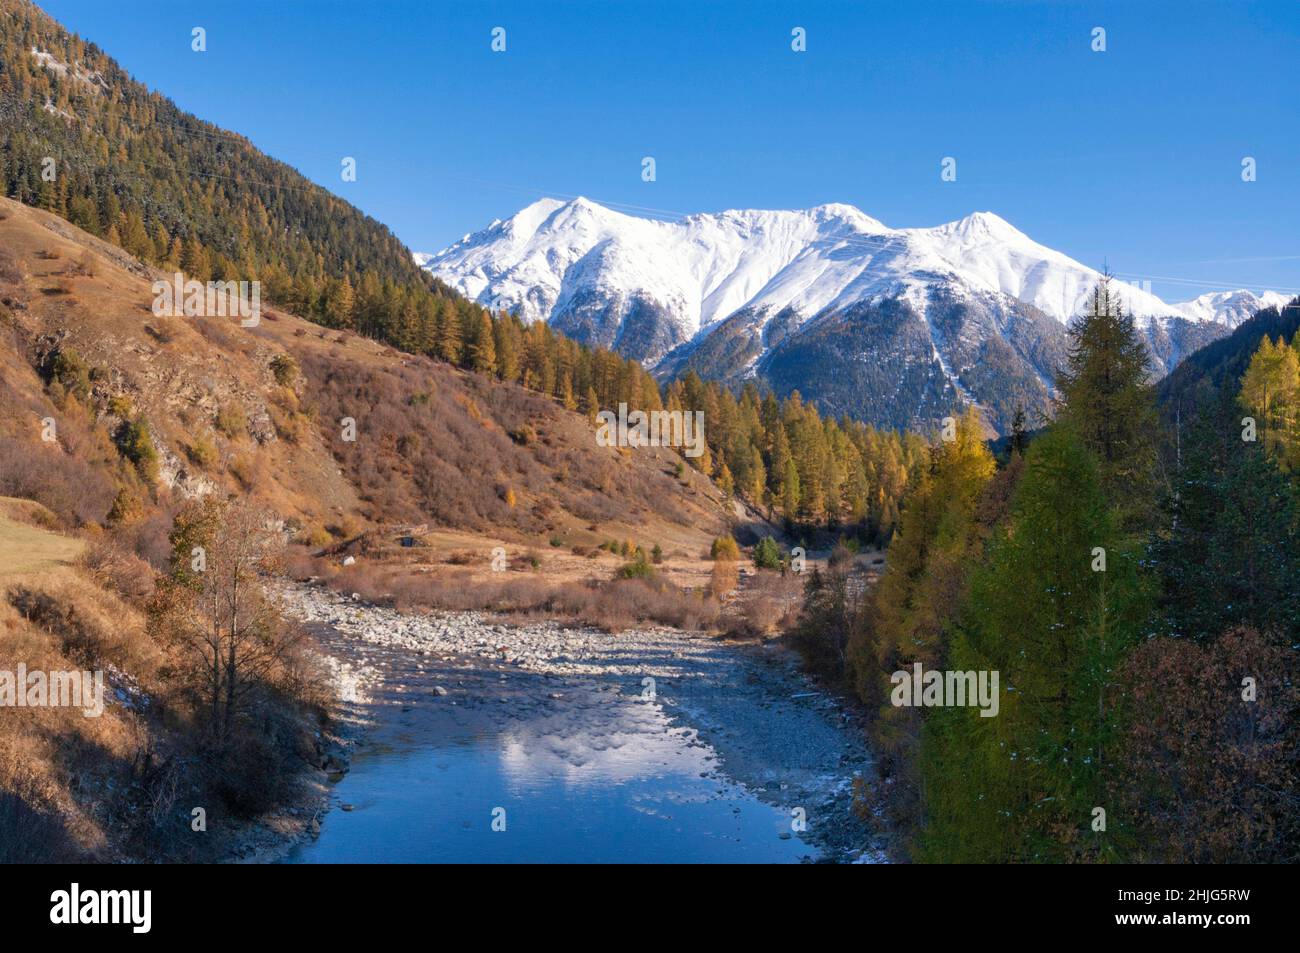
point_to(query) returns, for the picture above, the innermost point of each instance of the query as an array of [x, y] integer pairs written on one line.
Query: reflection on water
[[594, 780]]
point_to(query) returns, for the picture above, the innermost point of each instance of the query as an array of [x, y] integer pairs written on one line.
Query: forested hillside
[[1133, 587], [131, 167], [183, 195]]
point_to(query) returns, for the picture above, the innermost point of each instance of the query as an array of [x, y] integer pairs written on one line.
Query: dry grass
[[25, 548], [119, 570], [66, 623]]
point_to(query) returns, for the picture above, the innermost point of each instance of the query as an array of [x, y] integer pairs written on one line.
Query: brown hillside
[[79, 343]]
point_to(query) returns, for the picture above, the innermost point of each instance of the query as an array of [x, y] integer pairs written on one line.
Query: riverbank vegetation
[[1132, 585], [210, 712]]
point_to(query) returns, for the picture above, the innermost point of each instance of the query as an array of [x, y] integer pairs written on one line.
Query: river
[[489, 743]]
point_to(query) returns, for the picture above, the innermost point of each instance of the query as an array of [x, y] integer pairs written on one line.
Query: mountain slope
[[798, 299], [1230, 308], [131, 167], [81, 346]]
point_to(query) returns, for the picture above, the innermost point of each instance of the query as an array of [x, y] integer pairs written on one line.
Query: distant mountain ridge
[[897, 326], [1220, 365], [1231, 308]]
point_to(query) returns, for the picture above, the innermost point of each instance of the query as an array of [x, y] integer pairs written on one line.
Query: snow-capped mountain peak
[[982, 225], [707, 266], [1230, 308], [892, 324]]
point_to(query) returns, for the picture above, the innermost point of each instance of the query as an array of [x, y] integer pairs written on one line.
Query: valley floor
[[650, 744]]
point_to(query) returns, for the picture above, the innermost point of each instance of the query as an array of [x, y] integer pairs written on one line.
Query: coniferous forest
[[1134, 586]]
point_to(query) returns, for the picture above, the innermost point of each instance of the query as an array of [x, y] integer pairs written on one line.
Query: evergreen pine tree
[[1231, 554], [1022, 786], [1107, 397]]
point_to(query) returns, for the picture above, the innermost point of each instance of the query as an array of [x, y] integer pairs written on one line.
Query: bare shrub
[[215, 333], [163, 332], [250, 469], [85, 266], [218, 617], [770, 606], [119, 569], [299, 565], [613, 606], [148, 537], [12, 270], [76, 491], [249, 775], [624, 603], [231, 420], [289, 426], [201, 452]]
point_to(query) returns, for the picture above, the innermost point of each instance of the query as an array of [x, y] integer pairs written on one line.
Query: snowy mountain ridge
[[706, 267], [788, 295]]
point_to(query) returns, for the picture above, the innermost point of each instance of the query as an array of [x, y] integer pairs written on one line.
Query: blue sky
[[1130, 157]]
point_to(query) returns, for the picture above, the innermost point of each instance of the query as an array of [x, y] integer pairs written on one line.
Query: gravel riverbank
[[586, 695]]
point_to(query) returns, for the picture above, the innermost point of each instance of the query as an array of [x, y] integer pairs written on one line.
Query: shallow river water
[[422, 799], [471, 759]]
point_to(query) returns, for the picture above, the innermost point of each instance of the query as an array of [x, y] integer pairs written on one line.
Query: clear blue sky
[[1131, 156]]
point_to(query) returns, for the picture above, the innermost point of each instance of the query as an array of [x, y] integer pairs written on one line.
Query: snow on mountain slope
[[554, 256], [1230, 308], [993, 255], [895, 325]]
